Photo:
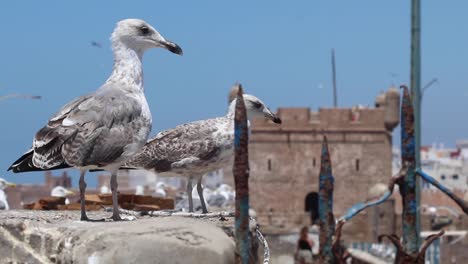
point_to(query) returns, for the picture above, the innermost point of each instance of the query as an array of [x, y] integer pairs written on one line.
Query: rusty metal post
[[410, 215], [403, 257], [240, 171], [327, 220]]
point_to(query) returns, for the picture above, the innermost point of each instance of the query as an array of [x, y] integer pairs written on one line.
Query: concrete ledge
[[58, 237]]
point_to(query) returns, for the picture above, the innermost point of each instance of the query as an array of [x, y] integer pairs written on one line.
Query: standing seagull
[[196, 148], [107, 127], [3, 198]]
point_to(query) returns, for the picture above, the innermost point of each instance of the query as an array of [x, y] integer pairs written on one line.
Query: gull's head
[[5, 184], [138, 35], [161, 185], [60, 191], [256, 108]]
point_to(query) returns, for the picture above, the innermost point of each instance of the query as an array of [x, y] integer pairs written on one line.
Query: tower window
[[314, 162], [269, 164], [357, 165]]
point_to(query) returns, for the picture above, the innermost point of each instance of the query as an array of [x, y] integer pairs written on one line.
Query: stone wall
[[57, 237], [285, 160]]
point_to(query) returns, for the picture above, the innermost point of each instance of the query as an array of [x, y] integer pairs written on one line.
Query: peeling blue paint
[[410, 214], [327, 220], [357, 208], [460, 202], [238, 128]]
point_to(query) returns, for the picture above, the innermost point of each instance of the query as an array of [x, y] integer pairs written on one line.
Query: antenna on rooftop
[[335, 95]]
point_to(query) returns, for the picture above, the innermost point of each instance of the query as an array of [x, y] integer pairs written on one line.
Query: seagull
[[223, 196], [60, 191], [160, 190], [216, 199], [102, 130], [3, 198], [96, 44], [139, 190], [104, 189], [196, 148]]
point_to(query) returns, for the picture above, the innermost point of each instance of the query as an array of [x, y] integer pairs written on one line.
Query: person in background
[[304, 247]]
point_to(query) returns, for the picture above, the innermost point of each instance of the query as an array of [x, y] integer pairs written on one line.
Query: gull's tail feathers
[[25, 163]]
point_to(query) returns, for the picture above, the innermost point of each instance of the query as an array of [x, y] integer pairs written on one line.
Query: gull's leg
[[84, 217], [115, 199], [200, 194], [189, 194]]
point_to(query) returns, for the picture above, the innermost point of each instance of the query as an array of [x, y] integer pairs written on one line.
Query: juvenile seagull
[[104, 129], [60, 191], [196, 148], [3, 198]]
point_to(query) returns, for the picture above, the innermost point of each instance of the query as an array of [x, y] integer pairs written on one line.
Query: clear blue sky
[[279, 50]]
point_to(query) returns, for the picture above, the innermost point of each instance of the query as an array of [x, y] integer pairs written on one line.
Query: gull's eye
[[257, 104], [144, 30]]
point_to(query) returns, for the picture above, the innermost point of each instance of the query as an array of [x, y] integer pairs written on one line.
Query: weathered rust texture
[[327, 220], [418, 257], [339, 252], [408, 185], [240, 171]]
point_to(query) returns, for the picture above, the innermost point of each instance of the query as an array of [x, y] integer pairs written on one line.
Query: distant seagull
[[160, 190], [104, 190], [139, 190], [196, 148], [223, 196], [96, 44], [3, 198], [104, 129], [60, 191], [25, 96]]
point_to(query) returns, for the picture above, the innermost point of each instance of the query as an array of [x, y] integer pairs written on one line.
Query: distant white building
[[449, 166]]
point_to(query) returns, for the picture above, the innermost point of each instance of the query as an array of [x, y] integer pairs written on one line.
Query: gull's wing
[[106, 127], [184, 146]]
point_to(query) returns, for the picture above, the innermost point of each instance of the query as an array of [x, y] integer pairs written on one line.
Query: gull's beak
[[160, 41], [10, 184], [271, 116], [276, 120], [70, 192], [172, 47]]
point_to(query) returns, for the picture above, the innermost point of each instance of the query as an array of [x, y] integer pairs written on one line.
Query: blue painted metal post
[[357, 208], [416, 95], [460, 202], [410, 213], [240, 171], [327, 220]]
